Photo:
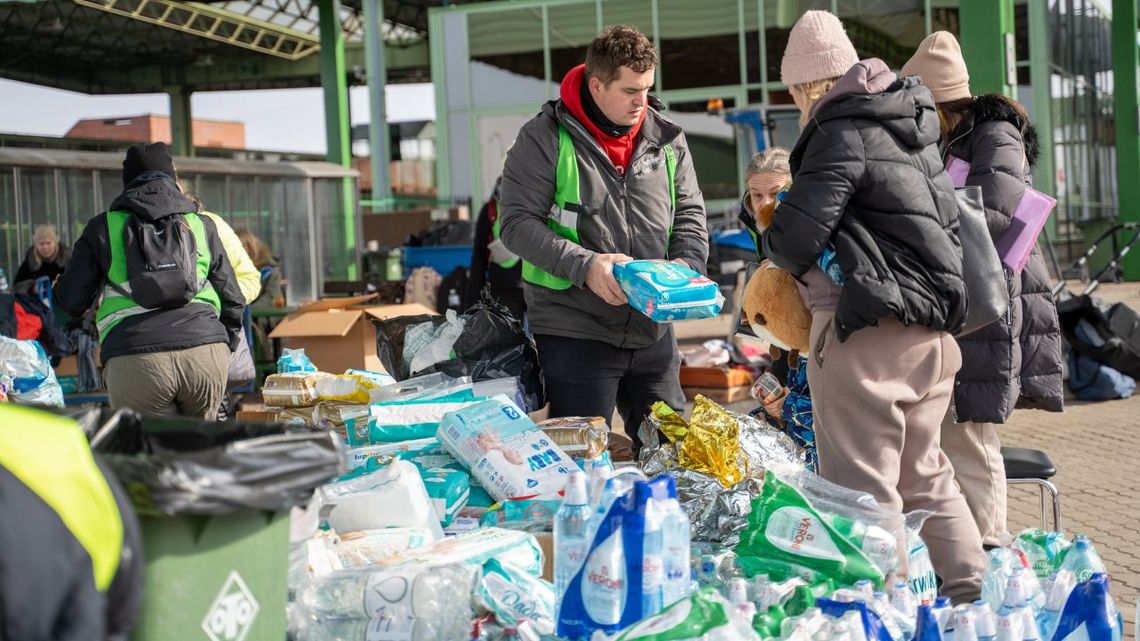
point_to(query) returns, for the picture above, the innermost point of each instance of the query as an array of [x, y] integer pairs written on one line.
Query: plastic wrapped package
[[325, 415], [31, 378], [786, 529], [704, 616], [368, 547], [294, 360], [1045, 551], [423, 387], [449, 491], [347, 388], [359, 457], [504, 450], [392, 496], [292, 389], [515, 597], [395, 421], [379, 379], [5, 387], [538, 512], [765, 447], [433, 601], [518, 548], [666, 291], [921, 579]]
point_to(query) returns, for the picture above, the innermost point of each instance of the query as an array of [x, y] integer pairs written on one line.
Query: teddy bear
[[772, 303]]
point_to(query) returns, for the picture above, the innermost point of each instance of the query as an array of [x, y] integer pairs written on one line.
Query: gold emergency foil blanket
[[671, 424], [712, 443]]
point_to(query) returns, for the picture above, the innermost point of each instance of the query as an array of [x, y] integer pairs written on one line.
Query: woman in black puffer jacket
[[869, 189], [1016, 361]]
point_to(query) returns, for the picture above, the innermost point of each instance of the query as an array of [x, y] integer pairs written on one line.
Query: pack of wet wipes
[[668, 292]]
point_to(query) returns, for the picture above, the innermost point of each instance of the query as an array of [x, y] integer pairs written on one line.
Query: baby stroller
[[1099, 333]]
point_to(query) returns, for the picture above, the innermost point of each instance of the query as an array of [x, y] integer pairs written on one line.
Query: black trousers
[[591, 378]]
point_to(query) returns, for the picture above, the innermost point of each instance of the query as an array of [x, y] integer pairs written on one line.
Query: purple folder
[[1016, 243], [958, 169]]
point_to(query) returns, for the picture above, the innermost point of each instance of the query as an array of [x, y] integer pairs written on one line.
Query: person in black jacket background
[[868, 185], [167, 360], [1015, 361], [492, 264], [47, 257]]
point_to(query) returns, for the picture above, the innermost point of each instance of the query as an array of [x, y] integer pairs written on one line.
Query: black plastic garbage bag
[[492, 345], [179, 466]]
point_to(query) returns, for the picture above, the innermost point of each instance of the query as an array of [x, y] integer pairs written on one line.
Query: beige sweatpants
[[974, 449], [187, 382], [879, 399]]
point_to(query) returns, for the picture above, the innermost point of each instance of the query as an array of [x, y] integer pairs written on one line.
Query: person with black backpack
[[168, 307]]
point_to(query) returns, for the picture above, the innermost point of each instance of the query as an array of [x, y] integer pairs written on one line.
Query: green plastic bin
[[214, 578]]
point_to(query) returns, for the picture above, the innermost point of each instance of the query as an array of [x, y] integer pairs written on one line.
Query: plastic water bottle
[[707, 576], [676, 530], [964, 628], [944, 612], [926, 626], [866, 589], [3, 281], [402, 628], [985, 623], [738, 597], [571, 527], [1060, 587], [653, 559], [440, 594], [1082, 560], [1008, 625], [1027, 622], [903, 600]]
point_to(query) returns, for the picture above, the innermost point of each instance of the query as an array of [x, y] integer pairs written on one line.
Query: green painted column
[[1040, 77], [333, 82], [987, 45], [1125, 61], [181, 122]]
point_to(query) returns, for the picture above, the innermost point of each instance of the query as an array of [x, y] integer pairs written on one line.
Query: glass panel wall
[[275, 208], [12, 243], [700, 43]]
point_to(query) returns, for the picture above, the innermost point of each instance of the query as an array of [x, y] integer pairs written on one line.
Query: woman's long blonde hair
[[810, 93]]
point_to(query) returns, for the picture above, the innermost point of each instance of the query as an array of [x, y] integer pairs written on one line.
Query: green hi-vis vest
[[563, 221], [496, 232], [117, 304], [50, 455]]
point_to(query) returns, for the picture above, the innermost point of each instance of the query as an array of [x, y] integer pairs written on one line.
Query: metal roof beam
[[213, 23]]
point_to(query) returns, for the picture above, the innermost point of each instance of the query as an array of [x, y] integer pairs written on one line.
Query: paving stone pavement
[[1096, 448]]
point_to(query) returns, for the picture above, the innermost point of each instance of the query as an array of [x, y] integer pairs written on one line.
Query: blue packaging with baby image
[[667, 292]]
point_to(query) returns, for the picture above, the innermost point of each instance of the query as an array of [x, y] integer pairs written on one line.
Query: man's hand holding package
[[601, 281]]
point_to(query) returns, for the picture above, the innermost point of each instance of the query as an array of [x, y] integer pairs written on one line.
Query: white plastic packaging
[[393, 496]]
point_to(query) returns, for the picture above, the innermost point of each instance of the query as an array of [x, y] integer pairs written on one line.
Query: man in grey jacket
[[599, 177]]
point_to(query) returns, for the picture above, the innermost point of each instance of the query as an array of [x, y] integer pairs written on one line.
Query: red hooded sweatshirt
[[620, 150]]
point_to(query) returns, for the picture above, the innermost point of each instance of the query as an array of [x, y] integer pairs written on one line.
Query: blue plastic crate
[[443, 259]]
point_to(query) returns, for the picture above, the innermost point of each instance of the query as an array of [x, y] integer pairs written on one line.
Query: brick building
[[218, 134]]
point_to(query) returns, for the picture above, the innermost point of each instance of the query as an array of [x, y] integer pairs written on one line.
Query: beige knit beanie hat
[[939, 63], [818, 48]]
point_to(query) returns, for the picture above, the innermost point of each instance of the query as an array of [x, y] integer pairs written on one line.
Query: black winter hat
[[145, 157]]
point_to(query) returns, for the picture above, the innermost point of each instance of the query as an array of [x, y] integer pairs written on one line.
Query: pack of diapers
[[449, 490], [394, 421], [667, 291], [504, 450]]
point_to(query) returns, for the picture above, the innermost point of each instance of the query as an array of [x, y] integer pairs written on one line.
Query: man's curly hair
[[619, 46]]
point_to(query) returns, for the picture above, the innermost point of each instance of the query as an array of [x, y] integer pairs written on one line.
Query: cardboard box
[[68, 366], [337, 333], [546, 542], [719, 394], [714, 377], [258, 415]]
